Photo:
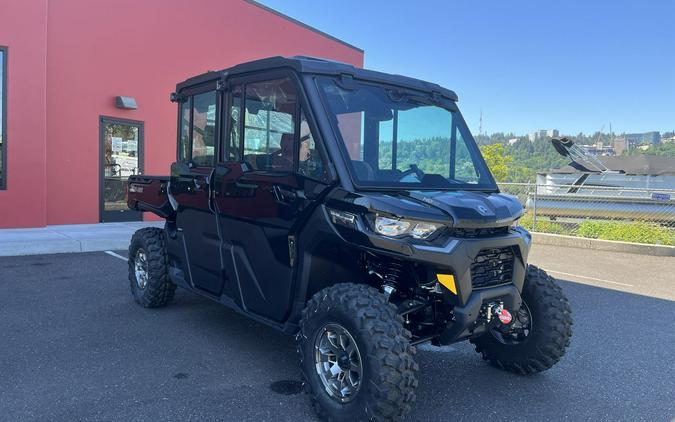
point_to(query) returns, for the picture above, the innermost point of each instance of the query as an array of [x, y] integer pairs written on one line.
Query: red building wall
[[96, 50], [23, 26]]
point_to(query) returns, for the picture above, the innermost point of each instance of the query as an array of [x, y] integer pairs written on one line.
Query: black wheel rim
[[141, 269], [338, 362], [518, 331]]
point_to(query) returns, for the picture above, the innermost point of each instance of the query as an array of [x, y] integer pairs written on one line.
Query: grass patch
[[637, 232], [543, 226]]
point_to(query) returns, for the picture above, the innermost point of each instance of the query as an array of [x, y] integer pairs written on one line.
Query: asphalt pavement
[[74, 346]]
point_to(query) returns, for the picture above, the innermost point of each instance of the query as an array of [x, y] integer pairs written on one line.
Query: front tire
[[355, 355], [545, 329], [148, 268]]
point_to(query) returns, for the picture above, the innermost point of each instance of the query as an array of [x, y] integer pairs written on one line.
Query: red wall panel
[[68, 59], [23, 25], [98, 50]]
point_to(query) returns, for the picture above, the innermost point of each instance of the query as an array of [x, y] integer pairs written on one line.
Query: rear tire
[[379, 359], [148, 268], [549, 334]]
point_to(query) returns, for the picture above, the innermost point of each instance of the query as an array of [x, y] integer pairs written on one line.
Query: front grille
[[492, 267], [482, 232]]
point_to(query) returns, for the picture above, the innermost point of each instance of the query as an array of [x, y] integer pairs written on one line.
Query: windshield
[[396, 138]]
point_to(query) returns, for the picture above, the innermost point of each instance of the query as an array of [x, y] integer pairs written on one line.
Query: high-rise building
[[542, 134], [652, 137]]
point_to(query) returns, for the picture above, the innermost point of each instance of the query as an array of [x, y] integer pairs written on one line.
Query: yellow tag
[[448, 280]]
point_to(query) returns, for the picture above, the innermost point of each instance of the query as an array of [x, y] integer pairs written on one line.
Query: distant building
[[653, 137], [599, 149], [542, 134], [513, 141], [669, 140], [637, 171], [621, 145]]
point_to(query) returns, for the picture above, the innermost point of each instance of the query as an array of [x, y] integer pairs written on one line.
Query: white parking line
[[116, 255], [590, 278]]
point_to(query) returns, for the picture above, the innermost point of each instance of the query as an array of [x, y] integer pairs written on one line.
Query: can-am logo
[[483, 210]]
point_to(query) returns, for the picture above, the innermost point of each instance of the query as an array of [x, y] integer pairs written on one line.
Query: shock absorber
[[392, 272]]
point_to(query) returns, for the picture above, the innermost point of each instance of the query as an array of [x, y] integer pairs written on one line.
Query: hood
[[473, 209], [468, 209]]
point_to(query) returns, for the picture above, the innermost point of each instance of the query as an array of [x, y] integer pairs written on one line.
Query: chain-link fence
[[579, 210]]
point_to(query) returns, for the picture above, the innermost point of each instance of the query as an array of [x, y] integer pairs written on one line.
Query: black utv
[[353, 210]]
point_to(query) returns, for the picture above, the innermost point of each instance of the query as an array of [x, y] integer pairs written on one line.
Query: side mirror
[[180, 168]]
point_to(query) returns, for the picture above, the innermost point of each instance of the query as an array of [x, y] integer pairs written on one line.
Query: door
[[191, 187], [121, 156], [261, 190]]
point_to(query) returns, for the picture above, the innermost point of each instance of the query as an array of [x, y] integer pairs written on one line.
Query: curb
[[601, 245], [69, 238], [63, 245]]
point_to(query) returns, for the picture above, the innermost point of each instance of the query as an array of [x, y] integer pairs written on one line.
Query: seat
[[282, 160]]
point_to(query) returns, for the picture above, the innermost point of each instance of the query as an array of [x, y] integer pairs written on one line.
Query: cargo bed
[[149, 193]]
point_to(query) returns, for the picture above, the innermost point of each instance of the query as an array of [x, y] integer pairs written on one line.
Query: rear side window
[[234, 138], [269, 125], [184, 142], [203, 128]]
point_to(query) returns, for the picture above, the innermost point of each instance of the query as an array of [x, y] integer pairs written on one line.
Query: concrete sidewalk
[[70, 238]]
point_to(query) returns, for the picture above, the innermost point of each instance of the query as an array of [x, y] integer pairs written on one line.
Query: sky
[[576, 66]]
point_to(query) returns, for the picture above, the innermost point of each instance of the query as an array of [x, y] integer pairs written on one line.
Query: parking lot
[[74, 346]]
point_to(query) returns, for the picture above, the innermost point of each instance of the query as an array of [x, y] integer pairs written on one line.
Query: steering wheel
[[419, 174]]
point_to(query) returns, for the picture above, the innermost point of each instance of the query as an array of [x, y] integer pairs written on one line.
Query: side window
[[203, 128], [184, 142], [310, 163], [269, 125], [234, 138], [465, 170]]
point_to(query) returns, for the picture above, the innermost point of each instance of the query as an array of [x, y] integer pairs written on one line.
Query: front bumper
[[466, 321], [455, 257]]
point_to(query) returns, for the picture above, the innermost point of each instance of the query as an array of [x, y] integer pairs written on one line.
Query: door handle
[[198, 182], [284, 195]]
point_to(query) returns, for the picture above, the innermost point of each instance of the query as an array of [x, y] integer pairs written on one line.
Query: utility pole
[[480, 123]]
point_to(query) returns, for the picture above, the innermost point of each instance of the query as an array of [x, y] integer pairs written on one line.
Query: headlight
[[343, 218], [392, 227]]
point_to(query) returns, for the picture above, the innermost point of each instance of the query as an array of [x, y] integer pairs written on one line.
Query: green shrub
[[637, 232], [543, 226]]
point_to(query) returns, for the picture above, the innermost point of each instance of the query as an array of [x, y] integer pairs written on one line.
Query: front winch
[[496, 309]]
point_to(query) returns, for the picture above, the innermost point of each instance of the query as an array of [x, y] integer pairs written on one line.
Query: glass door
[[121, 157]]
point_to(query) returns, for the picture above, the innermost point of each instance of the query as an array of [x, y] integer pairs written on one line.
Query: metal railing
[[565, 207]]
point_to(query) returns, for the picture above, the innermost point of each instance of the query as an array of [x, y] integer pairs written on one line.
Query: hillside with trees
[[518, 161]]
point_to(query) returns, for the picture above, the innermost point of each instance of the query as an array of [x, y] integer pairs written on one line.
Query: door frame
[[102, 121]]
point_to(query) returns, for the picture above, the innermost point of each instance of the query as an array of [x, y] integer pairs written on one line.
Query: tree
[[497, 160]]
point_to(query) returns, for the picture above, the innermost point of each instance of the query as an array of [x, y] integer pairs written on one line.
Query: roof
[[315, 65], [652, 165], [304, 25]]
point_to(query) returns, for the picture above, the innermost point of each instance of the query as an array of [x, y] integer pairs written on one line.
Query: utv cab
[[352, 209]]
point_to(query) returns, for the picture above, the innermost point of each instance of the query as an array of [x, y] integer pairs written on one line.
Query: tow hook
[[496, 309]]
